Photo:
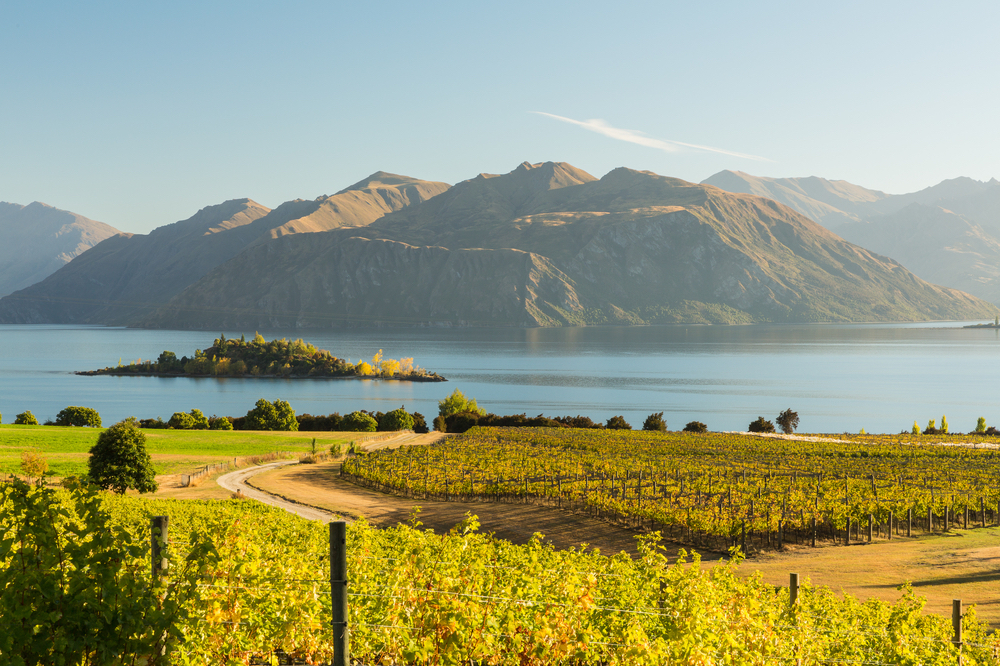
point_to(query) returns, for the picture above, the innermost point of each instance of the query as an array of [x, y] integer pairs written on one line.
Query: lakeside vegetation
[[276, 358]]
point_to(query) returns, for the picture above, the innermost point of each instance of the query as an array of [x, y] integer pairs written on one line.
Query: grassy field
[[173, 451]]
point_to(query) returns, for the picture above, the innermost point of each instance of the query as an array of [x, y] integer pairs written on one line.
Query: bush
[[617, 423], [761, 425], [419, 423], [980, 425], [25, 418], [153, 424], [119, 461], [397, 419], [655, 422], [439, 424], [200, 422], [181, 421], [219, 423], [310, 423], [696, 426], [577, 422], [277, 415], [788, 421], [461, 422], [915, 430], [78, 416], [457, 402], [33, 465], [359, 422]]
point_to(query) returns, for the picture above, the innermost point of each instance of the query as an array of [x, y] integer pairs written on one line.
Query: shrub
[[980, 425], [761, 425], [655, 422], [277, 415], [397, 419], [219, 423], [944, 425], [25, 418], [419, 423], [119, 461], [439, 424], [617, 423], [199, 420], [916, 429], [153, 424], [457, 402], [788, 421], [78, 416], [359, 422], [34, 465], [932, 429], [577, 422], [461, 422], [696, 426], [181, 421]]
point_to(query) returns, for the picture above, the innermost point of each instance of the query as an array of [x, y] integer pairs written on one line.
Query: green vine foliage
[[76, 589]]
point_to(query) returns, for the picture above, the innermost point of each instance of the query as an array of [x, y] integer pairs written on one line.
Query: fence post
[[909, 521], [338, 593], [847, 534], [956, 623], [793, 589], [814, 532], [158, 545], [871, 524]]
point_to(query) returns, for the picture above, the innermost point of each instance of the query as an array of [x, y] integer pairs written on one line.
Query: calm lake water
[[837, 377]]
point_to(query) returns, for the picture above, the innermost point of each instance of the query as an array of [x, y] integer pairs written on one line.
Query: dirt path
[[236, 482], [320, 486]]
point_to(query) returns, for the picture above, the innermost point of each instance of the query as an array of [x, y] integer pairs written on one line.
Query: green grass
[[172, 451]]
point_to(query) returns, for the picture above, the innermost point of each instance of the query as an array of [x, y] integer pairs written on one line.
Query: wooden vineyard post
[[892, 518], [909, 521], [743, 538], [847, 533], [793, 589], [338, 593], [982, 512], [814, 532], [956, 624], [930, 520], [871, 524], [158, 546], [965, 517]]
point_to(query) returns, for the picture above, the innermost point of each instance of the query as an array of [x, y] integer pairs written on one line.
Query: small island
[[993, 324], [277, 358]]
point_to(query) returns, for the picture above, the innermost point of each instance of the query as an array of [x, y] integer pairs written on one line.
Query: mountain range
[[947, 234], [37, 240], [545, 244]]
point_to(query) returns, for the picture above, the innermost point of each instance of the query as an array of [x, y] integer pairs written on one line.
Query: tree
[[980, 425], [397, 419], [181, 421], [119, 461], [788, 421], [944, 425], [199, 420], [617, 423], [761, 425], [219, 423], [34, 465], [457, 402], [439, 424], [277, 415], [696, 426], [25, 418], [655, 422], [359, 422], [916, 428], [419, 423], [79, 416]]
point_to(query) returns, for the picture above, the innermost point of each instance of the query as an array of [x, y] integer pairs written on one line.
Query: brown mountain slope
[[127, 277], [37, 240], [632, 247]]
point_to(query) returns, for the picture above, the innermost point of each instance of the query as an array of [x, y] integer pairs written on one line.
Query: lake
[[839, 378]]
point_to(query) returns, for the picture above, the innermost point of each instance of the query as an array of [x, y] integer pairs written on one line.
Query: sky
[[139, 114]]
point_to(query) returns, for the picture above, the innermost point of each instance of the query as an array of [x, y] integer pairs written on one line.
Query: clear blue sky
[[138, 114]]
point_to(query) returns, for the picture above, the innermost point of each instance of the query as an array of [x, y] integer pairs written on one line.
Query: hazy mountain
[[938, 245], [945, 233], [127, 276], [37, 240], [548, 244]]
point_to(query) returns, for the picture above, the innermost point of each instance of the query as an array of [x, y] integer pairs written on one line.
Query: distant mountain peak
[[381, 179]]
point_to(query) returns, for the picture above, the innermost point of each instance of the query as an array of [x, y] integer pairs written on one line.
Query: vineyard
[[244, 583], [714, 490]]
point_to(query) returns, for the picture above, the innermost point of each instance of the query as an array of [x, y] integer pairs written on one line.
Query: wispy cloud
[[632, 136]]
